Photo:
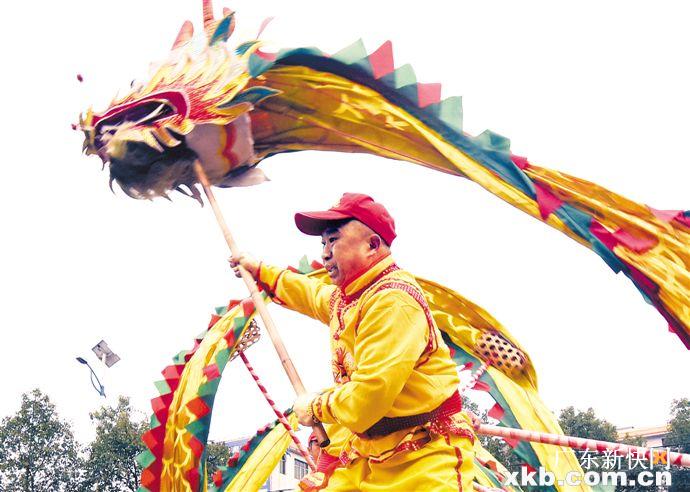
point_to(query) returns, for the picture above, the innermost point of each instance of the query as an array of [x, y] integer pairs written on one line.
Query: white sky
[[595, 89]]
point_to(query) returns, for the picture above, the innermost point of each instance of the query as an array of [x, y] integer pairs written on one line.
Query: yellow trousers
[[443, 464]]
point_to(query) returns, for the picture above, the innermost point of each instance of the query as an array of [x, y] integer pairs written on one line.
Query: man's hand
[[302, 409], [247, 262]]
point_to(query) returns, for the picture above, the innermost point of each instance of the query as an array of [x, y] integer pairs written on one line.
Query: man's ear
[[375, 241]]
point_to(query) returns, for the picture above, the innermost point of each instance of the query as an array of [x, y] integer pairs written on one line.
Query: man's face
[[346, 251]]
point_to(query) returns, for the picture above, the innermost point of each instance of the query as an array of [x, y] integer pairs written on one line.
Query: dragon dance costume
[[393, 415]]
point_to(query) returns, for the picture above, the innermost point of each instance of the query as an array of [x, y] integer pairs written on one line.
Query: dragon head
[[194, 107]]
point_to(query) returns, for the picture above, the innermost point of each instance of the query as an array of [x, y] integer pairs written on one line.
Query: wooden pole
[[261, 308]]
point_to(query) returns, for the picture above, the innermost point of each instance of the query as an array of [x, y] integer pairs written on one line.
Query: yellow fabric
[[480, 476], [307, 296], [383, 361], [667, 264], [337, 114], [323, 111], [263, 459], [178, 457], [532, 414], [463, 321], [440, 465]]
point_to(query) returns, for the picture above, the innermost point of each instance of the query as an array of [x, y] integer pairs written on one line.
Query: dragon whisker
[[151, 115]]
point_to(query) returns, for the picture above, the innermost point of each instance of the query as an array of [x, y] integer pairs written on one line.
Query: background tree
[[111, 465], [494, 445], [632, 474], [37, 450], [586, 424], [218, 455], [678, 439]]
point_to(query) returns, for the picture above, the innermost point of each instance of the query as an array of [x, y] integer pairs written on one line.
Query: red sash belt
[[326, 461], [388, 425]]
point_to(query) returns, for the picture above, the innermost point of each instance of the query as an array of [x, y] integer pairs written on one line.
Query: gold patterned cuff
[[310, 411], [320, 406]]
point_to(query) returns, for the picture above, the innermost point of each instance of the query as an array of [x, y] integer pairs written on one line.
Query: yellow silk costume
[[388, 360]]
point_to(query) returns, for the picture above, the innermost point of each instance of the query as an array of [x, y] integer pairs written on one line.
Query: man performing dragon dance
[[394, 414], [218, 112]]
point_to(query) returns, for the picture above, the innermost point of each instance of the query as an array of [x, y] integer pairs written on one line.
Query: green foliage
[[502, 452], [38, 451], [111, 465], [631, 474], [218, 455], [678, 439], [494, 445], [470, 406], [586, 424]]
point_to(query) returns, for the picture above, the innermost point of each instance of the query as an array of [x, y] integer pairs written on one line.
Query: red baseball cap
[[351, 206]]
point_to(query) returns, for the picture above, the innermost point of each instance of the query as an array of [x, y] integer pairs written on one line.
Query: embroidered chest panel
[[345, 320], [342, 364], [342, 340]]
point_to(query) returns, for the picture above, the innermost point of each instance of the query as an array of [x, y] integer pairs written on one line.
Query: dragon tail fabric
[[176, 454], [253, 464], [489, 472], [358, 102], [464, 326]]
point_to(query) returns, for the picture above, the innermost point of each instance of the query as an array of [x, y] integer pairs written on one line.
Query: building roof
[[642, 431]]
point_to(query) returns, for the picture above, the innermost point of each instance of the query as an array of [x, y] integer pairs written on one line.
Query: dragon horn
[[185, 34], [228, 13], [266, 21], [208, 14]]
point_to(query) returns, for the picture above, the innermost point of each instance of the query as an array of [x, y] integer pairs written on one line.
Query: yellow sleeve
[[296, 291], [391, 336]]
